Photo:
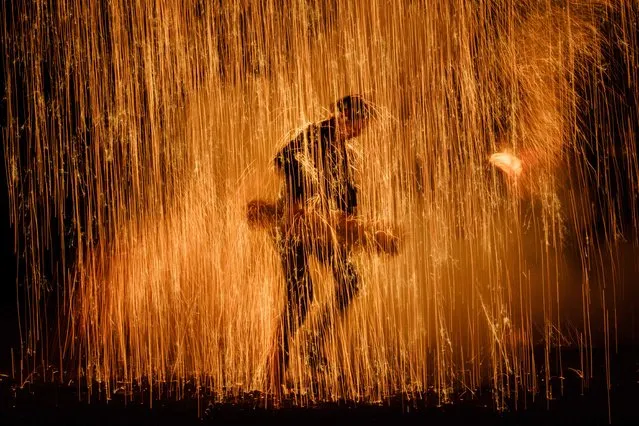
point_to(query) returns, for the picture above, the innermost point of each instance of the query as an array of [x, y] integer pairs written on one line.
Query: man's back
[[316, 167]]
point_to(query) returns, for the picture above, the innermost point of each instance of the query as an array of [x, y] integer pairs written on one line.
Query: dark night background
[[8, 268], [41, 403]]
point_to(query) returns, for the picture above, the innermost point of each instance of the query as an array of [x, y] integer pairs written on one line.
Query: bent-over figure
[[318, 178]]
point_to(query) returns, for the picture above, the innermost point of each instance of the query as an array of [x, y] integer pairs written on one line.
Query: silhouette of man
[[318, 178]]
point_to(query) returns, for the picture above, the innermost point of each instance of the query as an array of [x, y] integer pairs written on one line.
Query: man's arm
[[298, 168], [350, 206], [351, 197], [285, 159]]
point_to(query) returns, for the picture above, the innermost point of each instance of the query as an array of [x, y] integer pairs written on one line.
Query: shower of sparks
[[149, 126]]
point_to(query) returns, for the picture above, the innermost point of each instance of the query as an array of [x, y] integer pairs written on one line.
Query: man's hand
[[351, 231], [356, 232]]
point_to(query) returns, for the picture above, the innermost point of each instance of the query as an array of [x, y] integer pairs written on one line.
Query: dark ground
[[49, 403]]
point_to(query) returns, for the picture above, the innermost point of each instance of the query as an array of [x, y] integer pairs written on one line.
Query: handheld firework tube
[[309, 224]]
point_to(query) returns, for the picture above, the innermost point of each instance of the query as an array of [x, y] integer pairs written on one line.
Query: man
[[318, 182]]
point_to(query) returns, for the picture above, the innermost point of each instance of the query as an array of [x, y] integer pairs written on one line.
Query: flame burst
[[148, 127]]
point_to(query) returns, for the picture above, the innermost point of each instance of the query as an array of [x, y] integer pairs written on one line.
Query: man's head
[[354, 113]]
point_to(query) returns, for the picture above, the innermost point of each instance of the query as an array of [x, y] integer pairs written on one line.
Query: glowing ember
[[507, 163]]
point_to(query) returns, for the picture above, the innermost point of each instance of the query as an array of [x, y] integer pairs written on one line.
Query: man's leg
[[346, 281], [346, 288], [299, 295]]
